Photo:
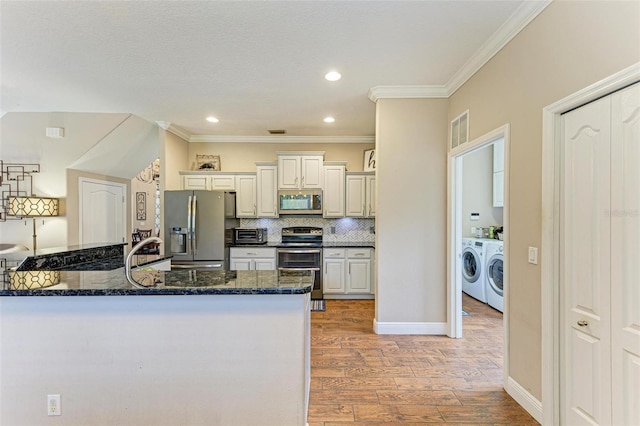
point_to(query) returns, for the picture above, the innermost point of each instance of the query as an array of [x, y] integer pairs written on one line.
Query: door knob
[[583, 323]]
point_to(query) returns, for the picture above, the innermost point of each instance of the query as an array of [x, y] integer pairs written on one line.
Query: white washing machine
[[494, 275], [473, 277]]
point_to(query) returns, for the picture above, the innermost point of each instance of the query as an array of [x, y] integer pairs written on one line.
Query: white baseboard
[[525, 399], [435, 328]]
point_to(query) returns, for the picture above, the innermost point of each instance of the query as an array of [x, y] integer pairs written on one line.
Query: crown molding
[[282, 139], [407, 92], [169, 127], [516, 23], [527, 11]]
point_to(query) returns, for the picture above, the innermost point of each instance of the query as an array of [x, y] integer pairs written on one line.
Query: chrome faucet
[[127, 263]]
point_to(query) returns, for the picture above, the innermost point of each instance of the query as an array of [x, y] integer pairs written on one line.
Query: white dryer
[[473, 277], [494, 275]]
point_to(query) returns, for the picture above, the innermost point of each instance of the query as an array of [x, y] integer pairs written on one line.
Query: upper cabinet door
[[312, 168], [246, 196], [333, 195], [196, 182], [267, 191], [371, 196], [289, 172], [300, 171], [356, 200]]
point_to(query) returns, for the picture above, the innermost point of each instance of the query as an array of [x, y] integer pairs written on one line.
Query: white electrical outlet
[[533, 255], [53, 405]]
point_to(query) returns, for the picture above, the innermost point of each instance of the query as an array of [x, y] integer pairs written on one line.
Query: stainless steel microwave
[[303, 201]]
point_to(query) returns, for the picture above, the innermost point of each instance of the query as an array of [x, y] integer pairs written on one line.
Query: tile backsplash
[[340, 230]]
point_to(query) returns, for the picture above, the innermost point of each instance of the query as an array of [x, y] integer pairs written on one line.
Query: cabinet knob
[[583, 323]]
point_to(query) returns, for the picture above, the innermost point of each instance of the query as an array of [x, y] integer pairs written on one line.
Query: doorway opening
[[455, 233]]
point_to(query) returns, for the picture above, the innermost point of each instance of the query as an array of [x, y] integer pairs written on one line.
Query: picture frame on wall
[[369, 164], [141, 206], [208, 162]]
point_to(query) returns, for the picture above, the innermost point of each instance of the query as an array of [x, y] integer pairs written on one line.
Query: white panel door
[[585, 265], [358, 276], [102, 211], [311, 170], [625, 255]]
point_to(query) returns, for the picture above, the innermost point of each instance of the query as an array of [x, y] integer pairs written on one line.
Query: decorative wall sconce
[[33, 207]]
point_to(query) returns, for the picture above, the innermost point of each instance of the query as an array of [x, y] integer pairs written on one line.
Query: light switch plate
[[533, 255]]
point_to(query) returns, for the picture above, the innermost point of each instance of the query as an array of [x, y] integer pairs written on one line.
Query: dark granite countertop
[[325, 244], [184, 282]]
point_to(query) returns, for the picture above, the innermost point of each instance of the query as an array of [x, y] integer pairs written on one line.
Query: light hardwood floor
[[358, 377]]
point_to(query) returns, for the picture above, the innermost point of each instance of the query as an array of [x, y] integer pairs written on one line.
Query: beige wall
[[236, 157], [174, 156], [566, 48], [477, 191], [411, 137]]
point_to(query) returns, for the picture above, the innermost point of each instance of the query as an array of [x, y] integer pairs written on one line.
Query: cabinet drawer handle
[[583, 323]]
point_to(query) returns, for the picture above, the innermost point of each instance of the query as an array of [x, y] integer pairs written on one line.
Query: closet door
[[625, 255], [585, 265]]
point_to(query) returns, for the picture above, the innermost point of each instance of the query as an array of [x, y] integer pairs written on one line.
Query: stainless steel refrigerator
[[198, 228]]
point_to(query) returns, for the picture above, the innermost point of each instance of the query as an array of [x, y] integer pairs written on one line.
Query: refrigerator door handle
[[189, 244], [194, 240]]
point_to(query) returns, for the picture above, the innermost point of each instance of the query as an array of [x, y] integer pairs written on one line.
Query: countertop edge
[[156, 292]]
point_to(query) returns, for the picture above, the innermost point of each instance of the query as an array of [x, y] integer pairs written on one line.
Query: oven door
[[296, 259]]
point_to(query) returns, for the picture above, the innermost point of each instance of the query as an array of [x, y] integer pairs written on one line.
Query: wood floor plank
[[398, 413], [395, 397], [335, 412]]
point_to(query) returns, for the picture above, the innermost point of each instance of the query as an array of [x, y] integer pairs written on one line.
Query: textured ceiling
[[254, 65]]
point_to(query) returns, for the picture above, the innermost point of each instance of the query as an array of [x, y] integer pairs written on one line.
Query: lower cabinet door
[[333, 280], [265, 264], [359, 276], [240, 264]]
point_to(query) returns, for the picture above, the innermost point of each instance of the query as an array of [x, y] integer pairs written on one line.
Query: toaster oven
[[249, 236]]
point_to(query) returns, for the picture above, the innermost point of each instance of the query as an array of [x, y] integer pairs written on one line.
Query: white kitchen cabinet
[[498, 173], [347, 272], [267, 189], [246, 198], [209, 181], [223, 182], [370, 195], [360, 194], [250, 258], [199, 182], [333, 194], [333, 280], [358, 271], [300, 170]]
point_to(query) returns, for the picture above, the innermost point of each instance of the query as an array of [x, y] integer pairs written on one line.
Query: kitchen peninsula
[[192, 348]]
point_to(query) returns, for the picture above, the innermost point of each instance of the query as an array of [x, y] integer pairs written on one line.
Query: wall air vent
[[460, 129], [277, 132]]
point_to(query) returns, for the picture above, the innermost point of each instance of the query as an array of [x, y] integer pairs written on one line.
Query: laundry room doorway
[[458, 227]]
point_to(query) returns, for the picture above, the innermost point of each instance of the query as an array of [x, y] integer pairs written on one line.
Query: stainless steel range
[[301, 249]]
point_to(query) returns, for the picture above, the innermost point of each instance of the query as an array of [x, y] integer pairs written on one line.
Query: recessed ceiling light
[[329, 119], [333, 76], [212, 119]]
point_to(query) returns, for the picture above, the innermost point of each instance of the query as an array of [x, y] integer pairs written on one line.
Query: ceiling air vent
[[277, 132], [460, 129]]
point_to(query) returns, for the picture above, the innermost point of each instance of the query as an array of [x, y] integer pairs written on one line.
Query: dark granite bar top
[[325, 244], [159, 283]]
